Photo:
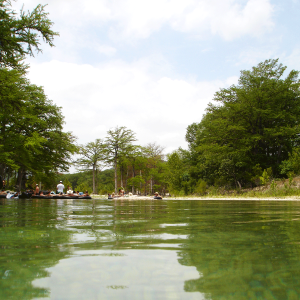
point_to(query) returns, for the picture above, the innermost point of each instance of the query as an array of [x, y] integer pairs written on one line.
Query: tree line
[[249, 132], [135, 168], [32, 141]]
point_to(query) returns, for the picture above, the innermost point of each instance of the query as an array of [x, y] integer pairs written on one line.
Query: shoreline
[[289, 198]]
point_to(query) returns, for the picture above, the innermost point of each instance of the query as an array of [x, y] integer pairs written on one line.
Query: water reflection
[[75, 249]]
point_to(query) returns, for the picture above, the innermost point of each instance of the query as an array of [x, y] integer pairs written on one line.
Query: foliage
[[23, 31], [273, 186], [31, 139], [201, 187], [252, 123], [67, 184], [177, 176], [266, 175], [82, 187], [292, 164], [118, 145], [92, 155], [256, 171], [136, 181]]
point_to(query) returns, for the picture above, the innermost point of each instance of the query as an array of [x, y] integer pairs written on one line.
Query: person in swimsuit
[[157, 196], [37, 190]]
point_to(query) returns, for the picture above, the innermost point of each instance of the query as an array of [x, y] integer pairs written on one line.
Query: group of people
[[9, 195], [37, 192], [122, 194], [59, 191]]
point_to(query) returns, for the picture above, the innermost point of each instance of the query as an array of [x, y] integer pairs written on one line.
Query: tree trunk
[[94, 186], [127, 174], [116, 179], [133, 175], [121, 171], [8, 177], [19, 182], [140, 182]]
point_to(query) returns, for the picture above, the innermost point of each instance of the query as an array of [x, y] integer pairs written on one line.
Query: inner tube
[[25, 196], [158, 198], [40, 197], [60, 197], [85, 197], [37, 197]]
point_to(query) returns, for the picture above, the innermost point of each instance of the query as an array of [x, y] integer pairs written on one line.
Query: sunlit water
[[101, 249]]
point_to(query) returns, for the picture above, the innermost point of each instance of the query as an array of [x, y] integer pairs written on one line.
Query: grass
[[280, 188]]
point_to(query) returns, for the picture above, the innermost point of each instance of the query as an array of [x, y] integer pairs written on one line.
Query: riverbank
[[223, 198], [294, 198]]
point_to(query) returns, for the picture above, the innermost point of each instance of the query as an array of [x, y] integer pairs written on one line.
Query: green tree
[[154, 169], [21, 36], [175, 172], [254, 122], [292, 164], [118, 143], [32, 140], [92, 156]]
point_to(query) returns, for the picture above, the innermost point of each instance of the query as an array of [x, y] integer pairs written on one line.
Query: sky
[[154, 65]]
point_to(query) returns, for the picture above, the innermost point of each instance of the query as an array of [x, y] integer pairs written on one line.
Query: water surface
[[101, 249]]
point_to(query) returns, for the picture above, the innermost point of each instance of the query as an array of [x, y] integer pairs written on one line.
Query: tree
[[21, 36], [177, 174], [32, 139], [92, 155], [118, 143], [254, 122], [154, 167]]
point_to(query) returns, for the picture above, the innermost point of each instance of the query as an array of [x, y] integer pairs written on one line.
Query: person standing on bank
[[60, 188]]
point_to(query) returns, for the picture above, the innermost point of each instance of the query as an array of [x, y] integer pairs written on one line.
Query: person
[[48, 193], [157, 196], [69, 191], [60, 188], [15, 196], [37, 190], [2, 192]]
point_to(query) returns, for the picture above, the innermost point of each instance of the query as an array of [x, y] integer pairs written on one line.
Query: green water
[[101, 249]]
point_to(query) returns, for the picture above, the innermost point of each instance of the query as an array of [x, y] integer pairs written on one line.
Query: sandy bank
[[291, 198]]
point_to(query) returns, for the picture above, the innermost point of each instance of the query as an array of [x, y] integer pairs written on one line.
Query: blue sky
[[154, 65]]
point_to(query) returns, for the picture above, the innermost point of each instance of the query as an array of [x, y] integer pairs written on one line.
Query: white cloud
[[135, 19], [293, 60], [107, 50], [95, 99], [253, 56]]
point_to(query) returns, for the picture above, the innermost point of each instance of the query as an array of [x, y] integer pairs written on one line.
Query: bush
[[201, 187], [82, 187]]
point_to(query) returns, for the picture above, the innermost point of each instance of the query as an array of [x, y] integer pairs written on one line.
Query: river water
[[154, 249]]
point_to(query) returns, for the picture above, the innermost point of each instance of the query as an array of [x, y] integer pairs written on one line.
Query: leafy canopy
[[252, 123], [20, 36]]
